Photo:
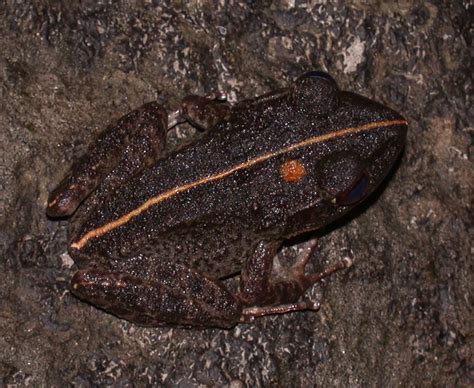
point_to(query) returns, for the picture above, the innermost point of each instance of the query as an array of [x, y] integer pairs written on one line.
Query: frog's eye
[[343, 178], [319, 74], [315, 93], [355, 193]]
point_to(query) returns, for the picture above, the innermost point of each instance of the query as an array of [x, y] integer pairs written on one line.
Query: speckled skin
[[163, 265]]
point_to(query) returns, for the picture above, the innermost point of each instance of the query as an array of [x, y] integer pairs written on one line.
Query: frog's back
[[248, 179], [200, 205]]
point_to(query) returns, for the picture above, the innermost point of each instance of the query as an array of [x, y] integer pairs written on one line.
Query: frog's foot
[[134, 141], [175, 295], [281, 291], [297, 271], [250, 313]]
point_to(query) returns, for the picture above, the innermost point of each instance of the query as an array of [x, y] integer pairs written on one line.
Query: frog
[[155, 233]]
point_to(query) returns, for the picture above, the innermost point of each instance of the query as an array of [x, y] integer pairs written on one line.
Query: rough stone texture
[[401, 316]]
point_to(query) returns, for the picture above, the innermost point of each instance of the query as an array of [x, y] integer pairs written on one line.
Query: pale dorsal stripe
[[100, 231]]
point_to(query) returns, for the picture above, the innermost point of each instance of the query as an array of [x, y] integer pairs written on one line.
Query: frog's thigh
[[176, 294], [134, 141]]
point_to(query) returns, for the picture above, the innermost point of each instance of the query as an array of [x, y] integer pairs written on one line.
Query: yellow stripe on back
[[100, 231]]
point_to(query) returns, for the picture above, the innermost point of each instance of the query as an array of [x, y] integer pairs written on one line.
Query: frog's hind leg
[[175, 295], [277, 294], [134, 141]]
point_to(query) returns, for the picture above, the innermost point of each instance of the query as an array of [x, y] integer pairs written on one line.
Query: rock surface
[[401, 316]]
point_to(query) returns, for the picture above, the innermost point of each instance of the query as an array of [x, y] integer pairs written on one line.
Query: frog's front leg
[[279, 293], [174, 294]]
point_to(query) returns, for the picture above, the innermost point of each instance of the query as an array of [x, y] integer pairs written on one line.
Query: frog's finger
[[203, 112], [175, 295], [135, 141]]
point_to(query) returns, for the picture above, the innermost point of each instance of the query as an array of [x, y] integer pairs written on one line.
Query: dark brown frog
[[154, 233]]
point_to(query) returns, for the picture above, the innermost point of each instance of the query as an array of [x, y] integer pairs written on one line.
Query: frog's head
[[353, 145]]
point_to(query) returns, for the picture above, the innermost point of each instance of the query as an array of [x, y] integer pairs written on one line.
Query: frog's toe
[[297, 271], [314, 278], [64, 200], [96, 287], [205, 112]]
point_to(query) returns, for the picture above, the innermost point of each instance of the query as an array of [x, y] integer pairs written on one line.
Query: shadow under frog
[[152, 233]]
